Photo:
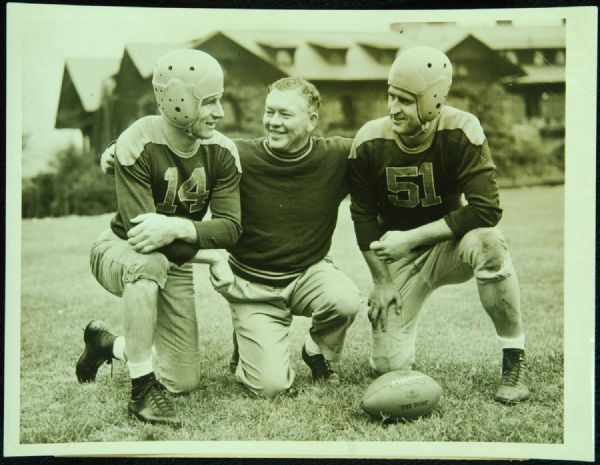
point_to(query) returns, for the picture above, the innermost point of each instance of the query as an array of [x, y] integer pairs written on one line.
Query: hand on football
[[383, 298], [393, 245], [107, 160], [152, 231], [221, 276]]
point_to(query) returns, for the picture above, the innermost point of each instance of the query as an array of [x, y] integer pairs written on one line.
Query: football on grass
[[401, 394]]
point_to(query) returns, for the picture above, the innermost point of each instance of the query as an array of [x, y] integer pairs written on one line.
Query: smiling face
[[209, 112], [402, 108], [288, 121]]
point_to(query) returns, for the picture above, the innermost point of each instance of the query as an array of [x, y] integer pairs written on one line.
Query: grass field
[[456, 346]]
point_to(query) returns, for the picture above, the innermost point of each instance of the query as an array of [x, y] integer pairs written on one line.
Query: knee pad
[[153, 266], [485, 249]]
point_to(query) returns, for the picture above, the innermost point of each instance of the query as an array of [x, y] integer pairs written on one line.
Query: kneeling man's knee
[[485, 249], [272, 383], [152, 267], [273, 388], [265, 378], [345, 300]]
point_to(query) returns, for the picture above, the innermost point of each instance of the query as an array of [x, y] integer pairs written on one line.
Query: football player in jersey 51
[[168, 169], [407, 174]]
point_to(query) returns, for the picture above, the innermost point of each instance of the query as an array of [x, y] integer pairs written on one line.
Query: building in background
[[86, 89], [349, 70], [540, 51]]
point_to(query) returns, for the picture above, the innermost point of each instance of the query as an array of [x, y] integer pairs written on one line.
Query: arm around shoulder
[[225, 227]]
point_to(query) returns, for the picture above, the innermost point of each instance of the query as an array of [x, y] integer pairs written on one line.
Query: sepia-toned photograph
[[327, 234]]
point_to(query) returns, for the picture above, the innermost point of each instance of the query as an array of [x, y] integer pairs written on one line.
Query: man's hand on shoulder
[[107, 160], [153, 231]]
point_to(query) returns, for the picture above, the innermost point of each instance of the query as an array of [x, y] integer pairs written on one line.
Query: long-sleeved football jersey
[[394, 187], [151, 177], [289, 208]]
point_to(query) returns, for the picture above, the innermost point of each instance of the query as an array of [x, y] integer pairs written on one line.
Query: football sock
[[137, 370], [312, 348], [137, 384], [512, 342], [118, 349]]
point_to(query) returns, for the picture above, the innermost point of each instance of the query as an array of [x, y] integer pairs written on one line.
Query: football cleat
[[98, 350], [291, 392], [235, 356], [153, 405], [373, 373], [512, 388], [323, 370]]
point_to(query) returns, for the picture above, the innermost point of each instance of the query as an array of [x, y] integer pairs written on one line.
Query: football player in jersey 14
[[168, 169], [407, 174]]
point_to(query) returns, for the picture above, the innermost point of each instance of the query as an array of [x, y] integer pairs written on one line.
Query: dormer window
[[282, 55], [538, 58], [382, 54], [332, 54]]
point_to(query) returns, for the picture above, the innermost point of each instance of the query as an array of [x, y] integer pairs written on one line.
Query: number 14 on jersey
[[192, 193]]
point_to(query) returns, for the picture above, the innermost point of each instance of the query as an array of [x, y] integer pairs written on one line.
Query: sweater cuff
[[179, 252], [367, 233]]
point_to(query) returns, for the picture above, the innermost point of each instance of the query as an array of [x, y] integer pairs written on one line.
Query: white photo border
[[579, 273]]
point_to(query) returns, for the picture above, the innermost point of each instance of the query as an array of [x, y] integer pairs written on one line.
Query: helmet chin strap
[[188, 130], [422, 129]]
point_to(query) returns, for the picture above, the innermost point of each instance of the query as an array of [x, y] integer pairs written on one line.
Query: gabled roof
[[522, 37], [309, 63], [542, 75], [144, 55], [87, 75], [443, 37], [320, 56], [500, 37]]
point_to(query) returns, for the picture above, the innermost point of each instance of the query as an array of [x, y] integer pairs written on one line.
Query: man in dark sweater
[[407, 174], [291, 188]]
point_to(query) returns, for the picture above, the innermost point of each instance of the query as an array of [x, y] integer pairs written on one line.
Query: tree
[[517, 154], [74, 187]]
